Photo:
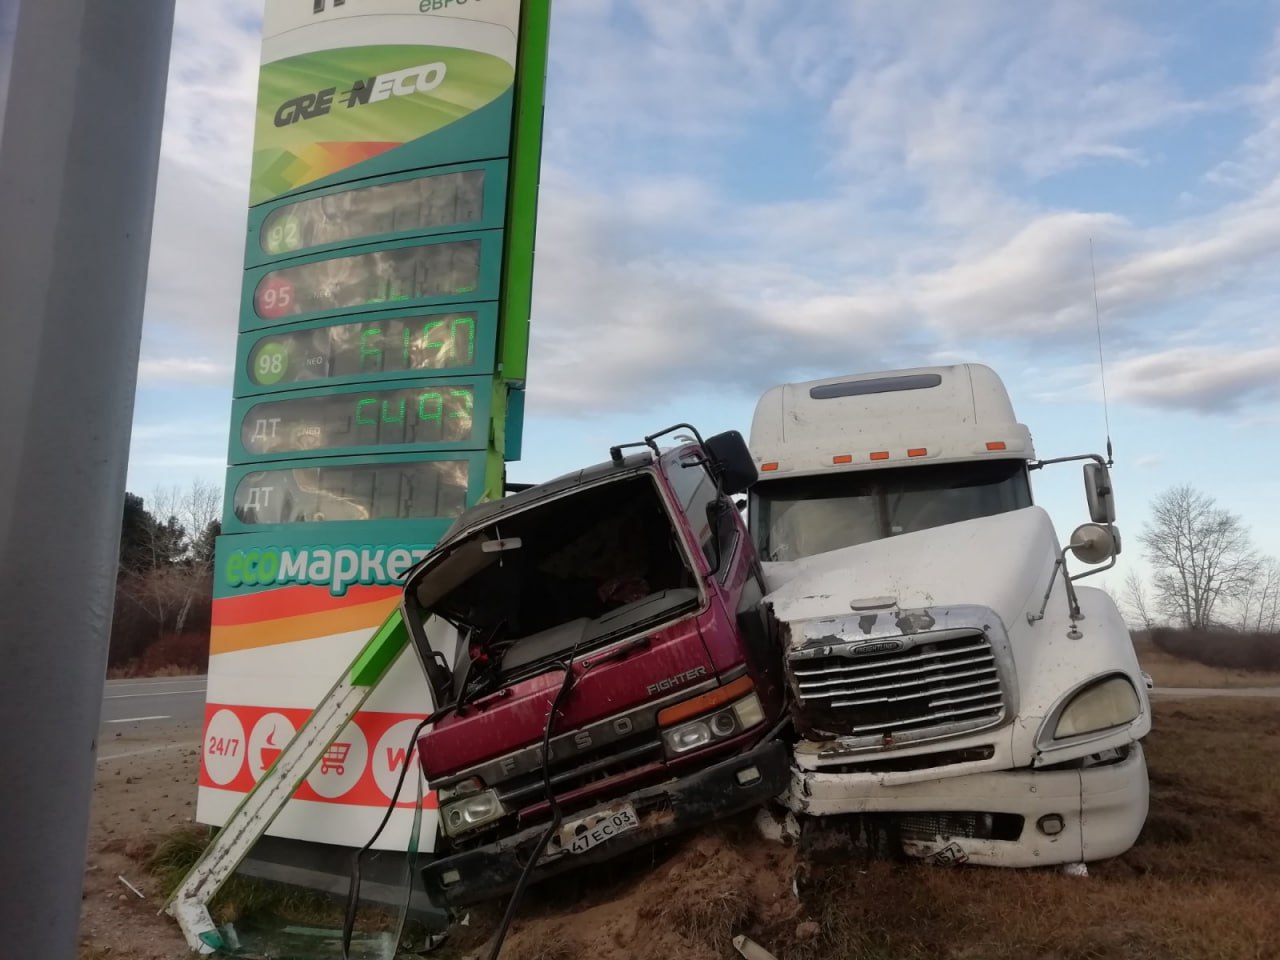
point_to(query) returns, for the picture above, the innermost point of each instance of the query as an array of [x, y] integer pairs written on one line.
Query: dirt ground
[[1203, 882], [136, 798]]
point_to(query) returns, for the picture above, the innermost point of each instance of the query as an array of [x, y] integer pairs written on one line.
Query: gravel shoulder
[[143, 789]]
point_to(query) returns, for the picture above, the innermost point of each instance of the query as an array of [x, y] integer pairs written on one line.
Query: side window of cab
[[696, 491]]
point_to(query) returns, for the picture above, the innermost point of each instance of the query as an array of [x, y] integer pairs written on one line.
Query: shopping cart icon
[[335, 759]]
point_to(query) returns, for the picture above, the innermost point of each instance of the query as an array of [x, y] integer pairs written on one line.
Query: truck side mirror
[[731, 459], [1093, 543], [1097, 490]]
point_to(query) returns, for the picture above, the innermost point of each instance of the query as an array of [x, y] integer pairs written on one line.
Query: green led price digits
[[270, 363]]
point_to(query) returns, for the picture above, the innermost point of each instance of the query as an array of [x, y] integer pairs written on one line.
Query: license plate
[[579, 836]]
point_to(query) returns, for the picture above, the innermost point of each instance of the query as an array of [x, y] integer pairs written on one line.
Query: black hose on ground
[[566, 685], [353, 891]]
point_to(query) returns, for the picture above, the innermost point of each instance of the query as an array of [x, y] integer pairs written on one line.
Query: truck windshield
[[802, 516], [570, 573]]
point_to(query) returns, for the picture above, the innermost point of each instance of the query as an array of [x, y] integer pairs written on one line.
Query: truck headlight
[[471, 812], [1111, 703], [688, 736], [742, 714]]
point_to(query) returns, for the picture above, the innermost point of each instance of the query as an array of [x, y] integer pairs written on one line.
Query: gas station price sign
[[413, 490], [428, 415], [415, 205], [456, 342], [388, 277]]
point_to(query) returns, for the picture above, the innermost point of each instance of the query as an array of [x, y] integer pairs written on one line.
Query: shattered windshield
[[573, 571], [802, 516]]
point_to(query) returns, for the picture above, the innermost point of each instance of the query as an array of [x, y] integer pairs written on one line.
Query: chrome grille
[[951, 682]]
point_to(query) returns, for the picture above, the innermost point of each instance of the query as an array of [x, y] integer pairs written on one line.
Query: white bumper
[[1102, 808]]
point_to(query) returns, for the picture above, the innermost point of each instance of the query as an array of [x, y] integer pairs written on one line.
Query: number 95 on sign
[[274, 299]]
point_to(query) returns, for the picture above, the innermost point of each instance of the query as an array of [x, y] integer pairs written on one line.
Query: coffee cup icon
[[270, 751]]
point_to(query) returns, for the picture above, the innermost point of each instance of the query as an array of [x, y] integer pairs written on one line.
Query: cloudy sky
[[741, 192]]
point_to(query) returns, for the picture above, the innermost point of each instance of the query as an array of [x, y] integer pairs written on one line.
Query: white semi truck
[[951, 682]]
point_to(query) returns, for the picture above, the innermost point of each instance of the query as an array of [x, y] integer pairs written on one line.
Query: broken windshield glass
[[568, 573]]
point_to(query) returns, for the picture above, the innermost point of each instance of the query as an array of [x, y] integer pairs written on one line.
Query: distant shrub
[[1221, 648], [173, 652]]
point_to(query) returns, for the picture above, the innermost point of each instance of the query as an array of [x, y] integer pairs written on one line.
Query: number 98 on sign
[[270, 363]]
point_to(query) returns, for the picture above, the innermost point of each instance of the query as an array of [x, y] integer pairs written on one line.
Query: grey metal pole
[[79, 149]]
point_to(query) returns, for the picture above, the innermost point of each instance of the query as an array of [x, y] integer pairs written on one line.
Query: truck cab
[[600, 676], [950, 682]]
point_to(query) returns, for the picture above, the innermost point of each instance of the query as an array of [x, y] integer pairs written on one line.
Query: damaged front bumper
[[1066, 815], [663, 810]]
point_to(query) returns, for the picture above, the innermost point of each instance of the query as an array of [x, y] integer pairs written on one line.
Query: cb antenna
[[1102, 370]]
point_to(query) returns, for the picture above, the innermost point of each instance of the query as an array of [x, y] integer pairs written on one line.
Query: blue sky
[[740, 193]]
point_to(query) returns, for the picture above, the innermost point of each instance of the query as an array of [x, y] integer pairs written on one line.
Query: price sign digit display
[[425, 416], [382, 325], [386, 277], [423, 203], [396, 491], [438, 343]]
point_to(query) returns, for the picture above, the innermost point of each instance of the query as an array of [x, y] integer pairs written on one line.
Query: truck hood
[[1000, 562]]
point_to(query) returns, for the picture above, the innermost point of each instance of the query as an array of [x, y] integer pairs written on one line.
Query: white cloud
[[925, 129], [198, 232], [1258, 159], [959, 92], [212, 89], [187, 370], [1203, 379]]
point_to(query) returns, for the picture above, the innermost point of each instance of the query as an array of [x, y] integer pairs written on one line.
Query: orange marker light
[[880, 455], [995, 444], [773, 465], [918, 452], [708, 701], [842, 458]]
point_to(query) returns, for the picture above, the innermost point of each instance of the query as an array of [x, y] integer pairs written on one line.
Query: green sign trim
[[522, 213]]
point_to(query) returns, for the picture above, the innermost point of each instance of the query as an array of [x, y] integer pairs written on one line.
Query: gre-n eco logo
[[336, 567]]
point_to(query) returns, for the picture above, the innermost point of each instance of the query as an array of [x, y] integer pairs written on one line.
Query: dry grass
[[1170, 671], [1203, 882], [245, 901], [134, 670]]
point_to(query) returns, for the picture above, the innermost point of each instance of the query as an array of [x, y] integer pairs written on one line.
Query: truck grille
[[620, 758], [951, 683]]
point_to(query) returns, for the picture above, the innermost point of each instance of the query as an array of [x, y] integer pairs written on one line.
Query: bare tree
[[1260, 608], [190, 509], [179, 569], [1200, 554], [1135, 597], [198, 507]]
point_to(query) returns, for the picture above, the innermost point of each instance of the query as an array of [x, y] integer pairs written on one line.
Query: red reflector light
[[917, 452], [842, 458], [769, 466], [880, 455], [995, 444]]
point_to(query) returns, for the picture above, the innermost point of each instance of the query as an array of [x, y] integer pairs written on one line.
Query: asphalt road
[[150, 716]]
